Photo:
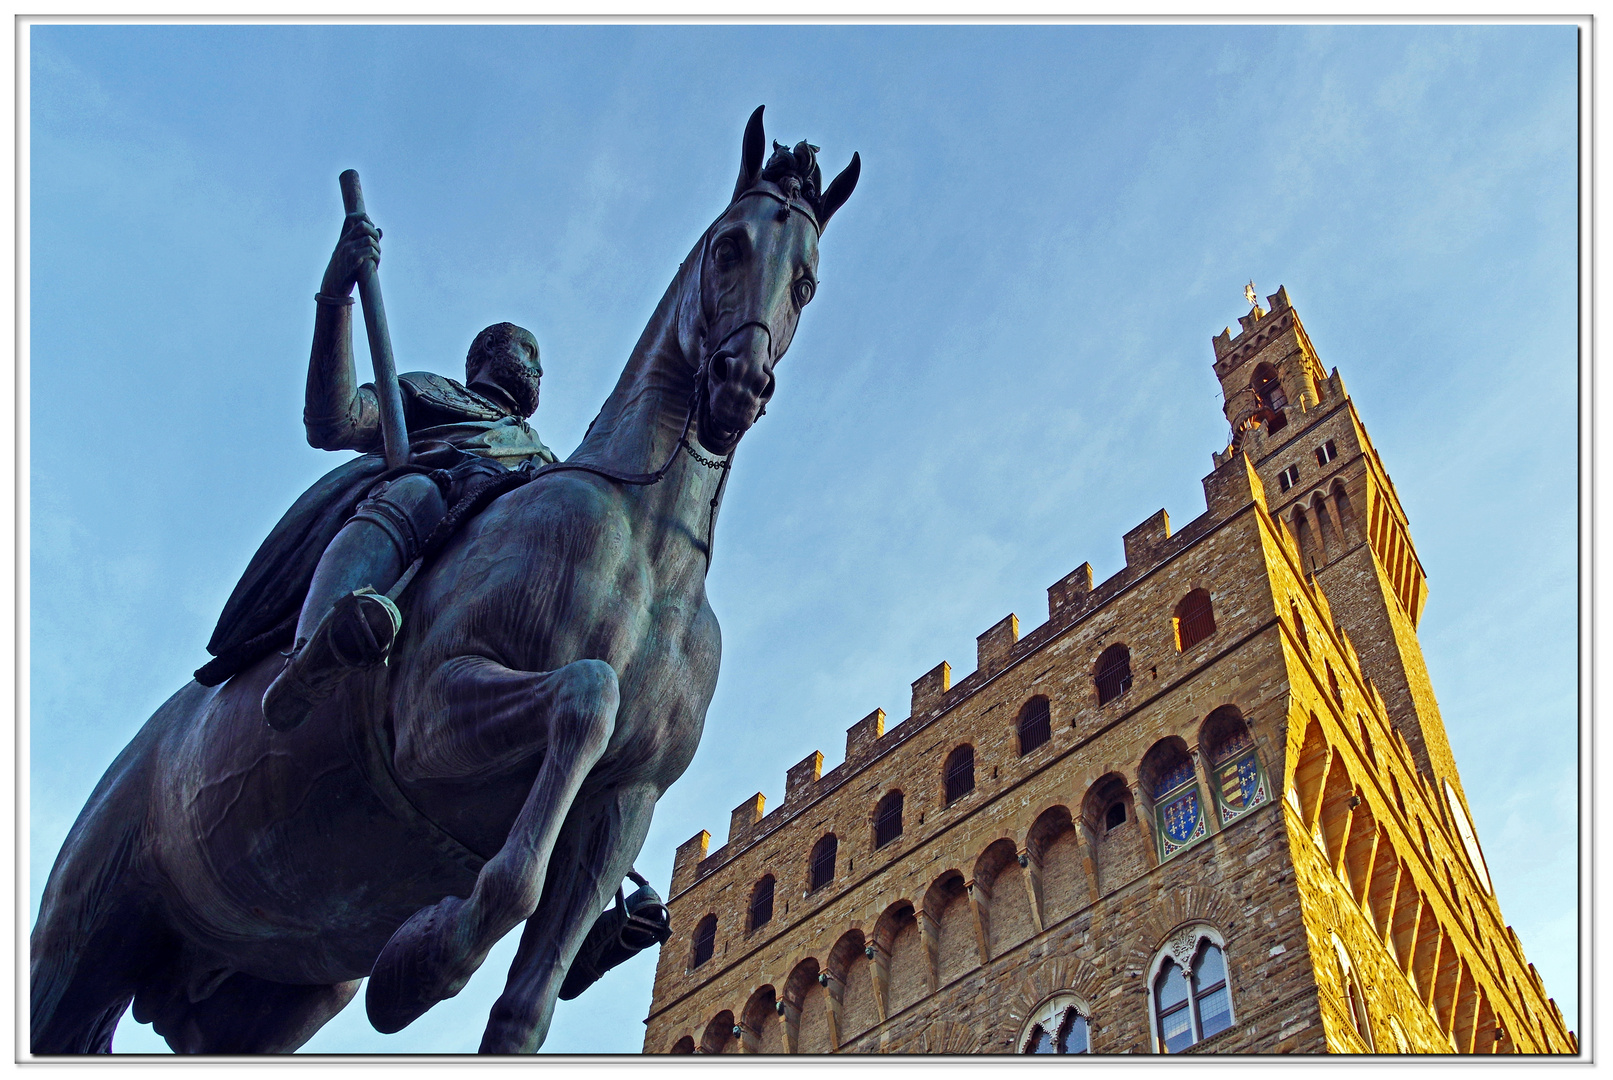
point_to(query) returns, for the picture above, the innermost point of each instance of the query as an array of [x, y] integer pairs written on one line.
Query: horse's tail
[[94, 935]]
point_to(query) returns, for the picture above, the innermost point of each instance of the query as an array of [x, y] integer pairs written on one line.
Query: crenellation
[[861, 737], [802, 776], [1069, 591], [689, 854], [745, 817], [1144, 541], [930, 689], [994, 647]]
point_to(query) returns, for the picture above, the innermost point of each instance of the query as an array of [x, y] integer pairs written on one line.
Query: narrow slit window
[[960, 773], [823, 861], [705, 941], [761, 903], [1035, 724], [1194, 619], [888, 819], [1114, 673]]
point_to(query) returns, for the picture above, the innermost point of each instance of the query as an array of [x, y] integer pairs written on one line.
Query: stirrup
[[357, 633], [619, 934]]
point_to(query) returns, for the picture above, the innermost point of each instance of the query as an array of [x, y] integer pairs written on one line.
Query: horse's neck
[[641, 421], [639, 427]]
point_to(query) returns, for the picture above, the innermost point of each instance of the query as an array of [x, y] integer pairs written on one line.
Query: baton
[[394, 436]]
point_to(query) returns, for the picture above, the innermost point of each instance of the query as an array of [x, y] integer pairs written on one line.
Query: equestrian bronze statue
[[482, 749]]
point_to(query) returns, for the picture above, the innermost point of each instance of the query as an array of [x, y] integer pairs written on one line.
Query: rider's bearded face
[[515, 369]]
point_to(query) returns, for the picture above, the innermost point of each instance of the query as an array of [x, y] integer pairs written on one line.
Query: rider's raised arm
[[337, 413]]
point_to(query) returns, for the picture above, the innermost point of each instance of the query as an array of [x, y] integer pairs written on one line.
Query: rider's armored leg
[[619, 934], [346, 624]]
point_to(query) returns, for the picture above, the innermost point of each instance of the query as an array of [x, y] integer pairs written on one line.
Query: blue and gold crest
[[1181, 815], [1181, 822], [1239, 786]]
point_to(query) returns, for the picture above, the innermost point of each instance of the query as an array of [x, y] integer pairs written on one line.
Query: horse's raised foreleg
[[601, 838], [491, 717]]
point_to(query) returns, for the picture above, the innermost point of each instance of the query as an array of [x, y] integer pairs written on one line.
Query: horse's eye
[[726, 253], [803, 291]]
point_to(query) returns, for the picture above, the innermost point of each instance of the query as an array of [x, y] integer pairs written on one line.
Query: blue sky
[[1006, 367]]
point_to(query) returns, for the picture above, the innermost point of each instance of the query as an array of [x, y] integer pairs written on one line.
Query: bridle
[[697, 396]]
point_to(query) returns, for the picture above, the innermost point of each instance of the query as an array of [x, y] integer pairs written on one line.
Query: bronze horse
[[235, 883]]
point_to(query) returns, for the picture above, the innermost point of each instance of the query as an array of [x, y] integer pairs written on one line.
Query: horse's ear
[[840, 189], [750, 160]]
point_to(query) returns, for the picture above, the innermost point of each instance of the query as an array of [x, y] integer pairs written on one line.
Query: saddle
[[254, 625]]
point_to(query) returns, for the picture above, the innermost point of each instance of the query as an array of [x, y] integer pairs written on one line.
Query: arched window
[[1238, 783], [761, 902], [1192, 998], [1341, 501], [1324, 526], [684, 1045], [1058, 1026], [959, 773], [1366, 738], [823, 862], [1168, 777], [1035, 725], [1115, 815], [1310, 555], [1194, 619], [1269, 389], [1355, 998], [1113, 674], [705, 941], [888, 819]]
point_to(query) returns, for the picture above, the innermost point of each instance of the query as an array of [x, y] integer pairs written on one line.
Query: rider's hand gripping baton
[[394, 436]]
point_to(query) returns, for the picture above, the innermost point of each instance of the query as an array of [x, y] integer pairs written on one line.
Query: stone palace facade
[[1208, 806]]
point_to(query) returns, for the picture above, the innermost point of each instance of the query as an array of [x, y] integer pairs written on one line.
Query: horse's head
[[758, 267]]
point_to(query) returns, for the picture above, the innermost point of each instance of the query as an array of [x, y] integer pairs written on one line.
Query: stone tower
[[1208, 806]]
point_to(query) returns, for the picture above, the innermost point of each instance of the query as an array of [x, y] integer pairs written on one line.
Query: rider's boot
[[356, 634], [619, 934]]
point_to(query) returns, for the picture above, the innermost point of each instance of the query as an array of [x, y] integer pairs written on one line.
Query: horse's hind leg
[[492, 718], [602, 837]]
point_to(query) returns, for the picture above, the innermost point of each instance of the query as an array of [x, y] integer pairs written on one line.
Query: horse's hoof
[[417, 968]]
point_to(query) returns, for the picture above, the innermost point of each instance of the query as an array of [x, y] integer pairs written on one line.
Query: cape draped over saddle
[[449, 426]]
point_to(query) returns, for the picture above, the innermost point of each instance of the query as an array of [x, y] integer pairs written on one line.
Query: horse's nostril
[[719, 368]]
